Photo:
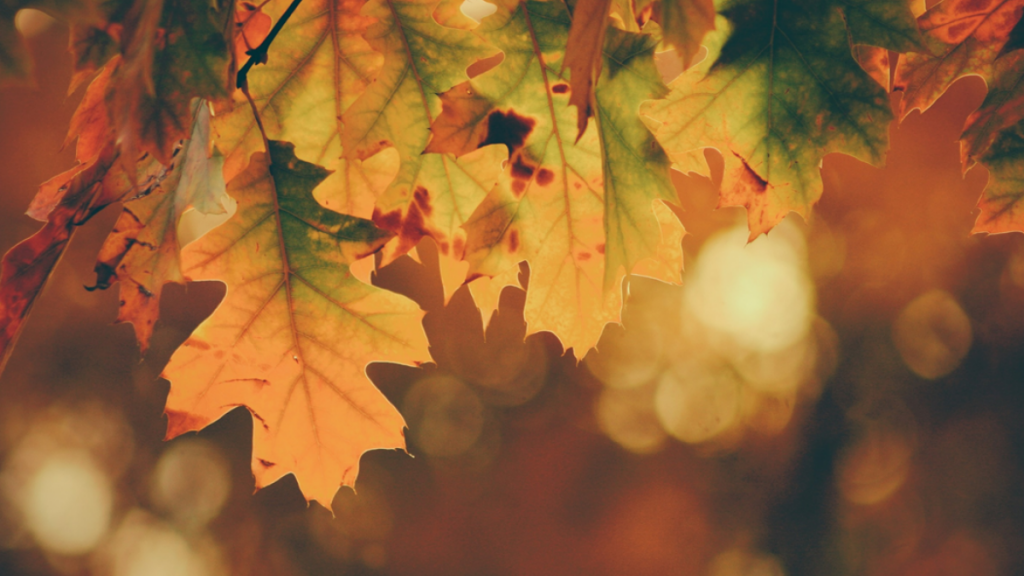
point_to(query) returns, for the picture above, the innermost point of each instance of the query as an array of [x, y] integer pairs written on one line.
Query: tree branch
[[258, 55]]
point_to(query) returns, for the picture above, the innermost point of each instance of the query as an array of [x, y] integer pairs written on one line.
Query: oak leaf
[[779, 90], [581, 214], [142, 251], [319, 66], [293, 336], [963, 37], [432, 194]]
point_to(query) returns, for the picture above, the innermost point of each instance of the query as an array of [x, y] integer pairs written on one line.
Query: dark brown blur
[[843, 397]]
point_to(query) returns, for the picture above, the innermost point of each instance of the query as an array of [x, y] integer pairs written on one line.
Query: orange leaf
[[293, 336]]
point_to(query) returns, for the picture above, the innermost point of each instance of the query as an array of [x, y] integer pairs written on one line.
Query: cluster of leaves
[[544, 134]]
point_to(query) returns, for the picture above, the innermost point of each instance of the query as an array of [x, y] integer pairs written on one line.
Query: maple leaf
[[293, 336], [141, 252], [583, 215], [964, 37], [779, 90], [432, 194]]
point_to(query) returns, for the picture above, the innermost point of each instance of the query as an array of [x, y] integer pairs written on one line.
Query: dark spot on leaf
[[390, 221], [584, 256], [422, 199], [599, 248], [513, 240], [410, 228], [458, 246], [509, 129], [265, 463], [545, 176], [750, 178], [521, 169], [560, 88], [518, 187], [443, 247]]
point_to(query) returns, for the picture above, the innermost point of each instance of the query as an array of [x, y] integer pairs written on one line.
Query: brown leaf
[[583, 56]]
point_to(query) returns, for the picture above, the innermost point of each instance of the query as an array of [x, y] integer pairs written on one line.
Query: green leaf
[[779, 90]]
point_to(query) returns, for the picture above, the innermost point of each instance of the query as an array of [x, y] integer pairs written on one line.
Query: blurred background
[[841, 397]]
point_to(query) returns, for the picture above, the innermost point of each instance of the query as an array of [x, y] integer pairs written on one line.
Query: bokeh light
[[626, 358], [145, 546], [191, 482], [759, 294], [627, 417], [875, 467], [696, 401], [932, 334], [445, 416], [741, 562], [68, 503]]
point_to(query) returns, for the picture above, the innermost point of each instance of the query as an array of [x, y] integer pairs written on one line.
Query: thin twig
[[258, 55]]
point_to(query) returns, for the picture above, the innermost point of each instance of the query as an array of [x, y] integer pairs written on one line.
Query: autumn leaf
[[992, 136], [170, 52], [1000, 204], [583, 56], [293, 336], [76, 196], [582, 214], [1001, 108], [778, 91], [319, 65], [252, 26], [142, 251], [964, 37], [432, 194], [685, 23]]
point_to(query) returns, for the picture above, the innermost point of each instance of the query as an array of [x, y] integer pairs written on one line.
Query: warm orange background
[[876, 471]]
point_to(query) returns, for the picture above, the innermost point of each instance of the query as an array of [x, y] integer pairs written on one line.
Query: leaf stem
[[258, 55], [256, 116]]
